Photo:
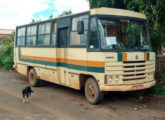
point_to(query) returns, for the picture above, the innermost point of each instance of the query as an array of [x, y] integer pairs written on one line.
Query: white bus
[[101, 50]]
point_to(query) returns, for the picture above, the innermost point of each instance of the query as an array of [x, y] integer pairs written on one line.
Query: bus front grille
[[130, 70], [134, 70]]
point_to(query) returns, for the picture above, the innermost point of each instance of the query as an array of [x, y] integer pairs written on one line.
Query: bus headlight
[[109, 79], [150, 75], [112, 79], [116, 78]]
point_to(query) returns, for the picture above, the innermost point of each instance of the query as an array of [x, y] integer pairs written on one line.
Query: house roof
[[6, 31]]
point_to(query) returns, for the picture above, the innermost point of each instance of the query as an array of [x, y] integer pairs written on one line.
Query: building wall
[[4, 35], [6, 32]]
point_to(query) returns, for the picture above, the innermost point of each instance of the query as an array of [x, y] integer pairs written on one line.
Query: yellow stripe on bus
[[68, 61], [145, 56], [124, 56]]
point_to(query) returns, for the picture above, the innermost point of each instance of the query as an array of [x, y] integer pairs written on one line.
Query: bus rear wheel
[[32, 78], [92, 92]]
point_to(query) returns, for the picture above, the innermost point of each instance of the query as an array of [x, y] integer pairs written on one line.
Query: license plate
[[137, 87]]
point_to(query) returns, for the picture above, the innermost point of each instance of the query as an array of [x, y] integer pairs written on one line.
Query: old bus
[[100, 50]]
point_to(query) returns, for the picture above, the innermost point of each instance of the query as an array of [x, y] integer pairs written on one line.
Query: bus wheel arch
[[83, 78], [85, 82], [32, 77]]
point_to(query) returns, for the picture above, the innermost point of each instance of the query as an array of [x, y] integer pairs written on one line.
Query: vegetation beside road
[[6, 52], [157, 89]]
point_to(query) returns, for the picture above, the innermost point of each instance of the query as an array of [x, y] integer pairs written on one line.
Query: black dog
[[26, 93]]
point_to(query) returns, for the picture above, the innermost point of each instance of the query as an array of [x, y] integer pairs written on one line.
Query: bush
[[6, 52], [157, 89]]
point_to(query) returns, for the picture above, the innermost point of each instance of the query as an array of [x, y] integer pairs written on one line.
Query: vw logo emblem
[[136, 57]]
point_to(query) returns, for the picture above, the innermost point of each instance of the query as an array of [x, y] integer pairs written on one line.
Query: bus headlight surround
[[150, 75], [116, 78], [112, 79], [109, 79]]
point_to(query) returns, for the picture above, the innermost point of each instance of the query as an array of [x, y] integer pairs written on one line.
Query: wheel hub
[[91, 90]]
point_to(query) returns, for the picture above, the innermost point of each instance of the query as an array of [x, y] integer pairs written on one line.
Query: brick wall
[[4, 35]]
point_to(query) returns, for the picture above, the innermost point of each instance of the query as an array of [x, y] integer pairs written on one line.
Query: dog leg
[[24, 99], [27, 96]]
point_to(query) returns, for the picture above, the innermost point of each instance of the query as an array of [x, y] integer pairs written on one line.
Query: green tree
[[65, 13], [155, 10], [107, 3], [6, 52]]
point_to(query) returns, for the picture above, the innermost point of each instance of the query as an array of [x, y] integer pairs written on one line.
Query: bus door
[[63, 37]]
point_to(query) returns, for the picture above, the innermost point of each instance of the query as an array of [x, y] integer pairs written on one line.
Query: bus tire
[[32, 78], [92, 92]]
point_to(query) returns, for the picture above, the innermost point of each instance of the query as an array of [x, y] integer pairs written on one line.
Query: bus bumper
[[133, 87]]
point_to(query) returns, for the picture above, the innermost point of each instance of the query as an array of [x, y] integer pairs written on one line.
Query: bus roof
[[100, 11], [116, 12], [53, 19]]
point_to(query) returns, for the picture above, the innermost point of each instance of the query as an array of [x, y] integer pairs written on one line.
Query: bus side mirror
[[80, 27]]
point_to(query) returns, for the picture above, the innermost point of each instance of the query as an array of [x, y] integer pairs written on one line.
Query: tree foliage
[[6, 52], [153, 9], [107, 3], [65, 13]]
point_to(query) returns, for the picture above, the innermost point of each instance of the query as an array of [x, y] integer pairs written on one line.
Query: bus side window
[[21, 36], [53, 42], [63, 36], [93, 37], [75, 38], [44, 34], [31, 35]]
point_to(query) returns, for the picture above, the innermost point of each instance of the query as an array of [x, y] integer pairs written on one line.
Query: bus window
[[63, 36], [31, 35], [53, 42], [75, 38], [93, 37], [110, 30], [21, 36], [44, 34], [74, 24]]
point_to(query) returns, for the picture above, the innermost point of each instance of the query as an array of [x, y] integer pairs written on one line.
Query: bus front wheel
[[92, 92], [32, 78]]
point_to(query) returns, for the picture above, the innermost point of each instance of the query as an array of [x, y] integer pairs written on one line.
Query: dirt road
[[54, 102]]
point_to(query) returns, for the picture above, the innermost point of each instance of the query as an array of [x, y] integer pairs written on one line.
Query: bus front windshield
[[123, 34]]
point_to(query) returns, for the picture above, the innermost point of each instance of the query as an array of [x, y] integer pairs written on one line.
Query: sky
[[18, 12]]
